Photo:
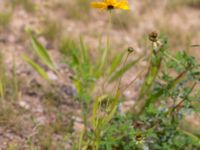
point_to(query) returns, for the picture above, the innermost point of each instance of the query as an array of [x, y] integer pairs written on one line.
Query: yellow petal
[[110, 2], [122, 5], [100, 5]]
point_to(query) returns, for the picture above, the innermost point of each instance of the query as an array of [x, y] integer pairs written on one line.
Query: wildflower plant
[[168, 92]]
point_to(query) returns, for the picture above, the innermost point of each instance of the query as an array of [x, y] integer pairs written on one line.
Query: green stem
[[120, 80], [153, 70]]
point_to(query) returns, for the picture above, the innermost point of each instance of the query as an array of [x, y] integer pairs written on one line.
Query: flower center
[[110, 7], [138, 137]]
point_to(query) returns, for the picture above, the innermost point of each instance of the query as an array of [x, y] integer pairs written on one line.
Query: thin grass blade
[[36, 67], [42, 53]]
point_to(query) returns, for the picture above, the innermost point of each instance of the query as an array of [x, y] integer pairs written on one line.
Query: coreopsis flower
[[111, 4]]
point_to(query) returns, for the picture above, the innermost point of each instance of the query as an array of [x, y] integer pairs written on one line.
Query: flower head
[[153, 36], [111, 4]]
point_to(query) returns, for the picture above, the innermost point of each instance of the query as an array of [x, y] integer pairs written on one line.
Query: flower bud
[[153, 36], [130, 49]]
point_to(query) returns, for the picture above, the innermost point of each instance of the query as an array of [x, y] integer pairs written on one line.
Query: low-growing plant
[[168, 92]]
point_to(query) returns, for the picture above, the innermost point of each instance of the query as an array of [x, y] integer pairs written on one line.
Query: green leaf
[[42, 53], [124, 69], [36, 67], [84, 51], [155, 96], [115, 63]]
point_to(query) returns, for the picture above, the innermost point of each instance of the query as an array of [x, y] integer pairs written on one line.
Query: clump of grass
[[5, 18]]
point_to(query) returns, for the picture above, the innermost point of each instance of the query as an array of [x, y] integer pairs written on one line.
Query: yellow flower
[[111, 4]]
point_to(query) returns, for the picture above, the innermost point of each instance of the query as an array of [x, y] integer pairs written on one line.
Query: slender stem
[[179, 105], [189, 134], [15, 83], [132, 81], [172, 58], [119, 83], [107, 48], [97, 130]]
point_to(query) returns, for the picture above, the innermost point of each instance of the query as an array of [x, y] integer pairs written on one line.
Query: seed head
[[131, 49], [139, 139], [153, 36]]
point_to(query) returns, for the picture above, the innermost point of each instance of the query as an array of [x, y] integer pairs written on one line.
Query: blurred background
[[57, 21]]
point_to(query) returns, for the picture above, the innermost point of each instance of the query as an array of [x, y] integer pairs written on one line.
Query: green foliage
[[166, 96], [124, 69], [36, 67], [89, 70], [42, 53]]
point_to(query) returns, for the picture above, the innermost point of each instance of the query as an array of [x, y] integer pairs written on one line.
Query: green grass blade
[[115, 63], [42, 53], [36, 67], [124, 69], [104, 58], [84, 51]]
